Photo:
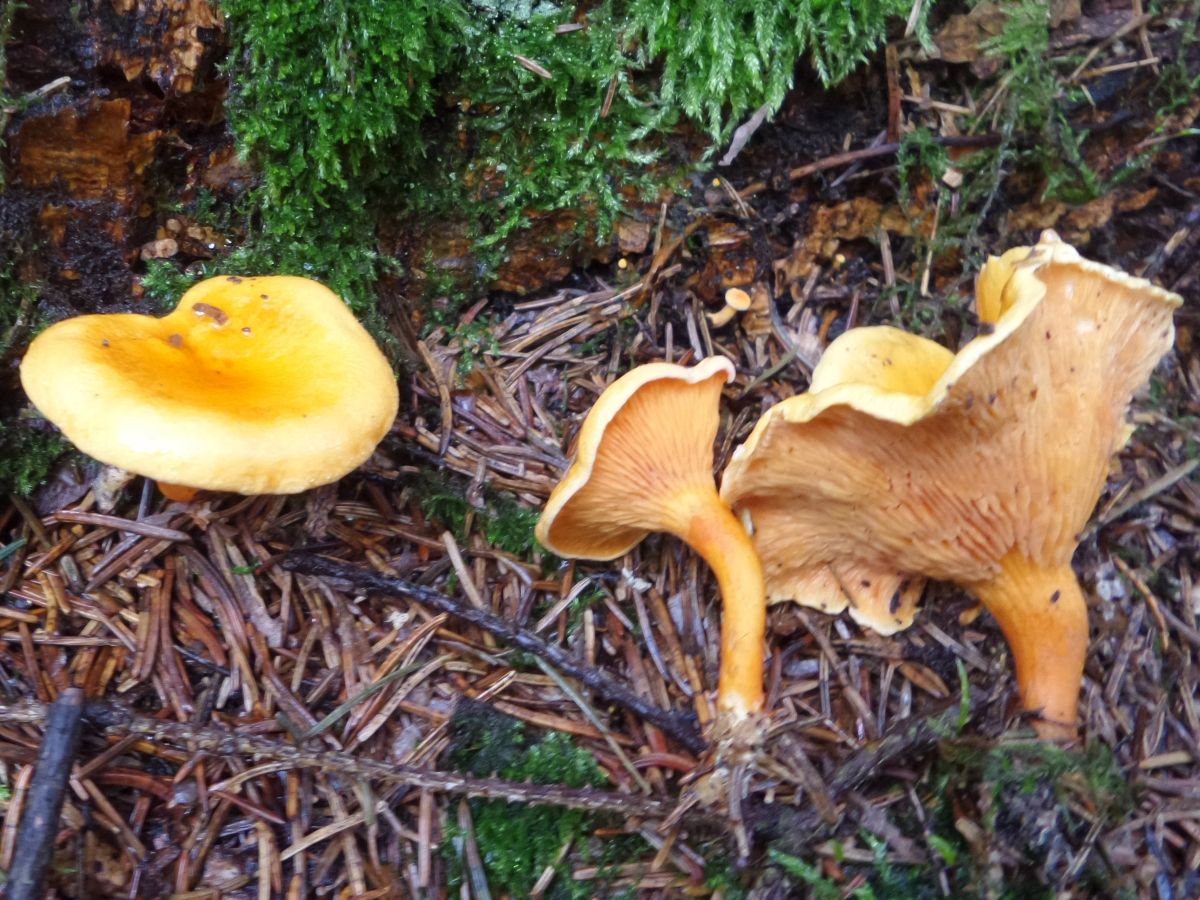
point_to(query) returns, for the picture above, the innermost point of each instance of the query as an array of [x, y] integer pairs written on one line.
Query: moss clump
[[26, 453], [328, 97], [722, 58], [1028, 805], [1024, 795], [26, 456], [516, 841], [506, 523], [543, 105], [527, 142], [1037, 105], [163, 283]]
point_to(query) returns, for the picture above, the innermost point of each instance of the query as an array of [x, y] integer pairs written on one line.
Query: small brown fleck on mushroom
[[264, 296], [246, 331], [104, 343], [1054, 597], [234, 279], [866, 582], [213, 312], [1047, 335], [991, 399], [1033, 394], [175, 340]]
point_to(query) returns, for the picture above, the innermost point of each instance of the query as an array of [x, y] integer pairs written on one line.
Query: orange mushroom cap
[[254, 385], [643, 463], [905, 461], [647, 440]]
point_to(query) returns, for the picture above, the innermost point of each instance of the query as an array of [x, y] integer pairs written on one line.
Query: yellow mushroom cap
[[905, 460], [253, 385], [738, 299], [648, 439]]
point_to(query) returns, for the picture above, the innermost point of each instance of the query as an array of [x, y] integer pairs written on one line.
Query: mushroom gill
[[904, 461], [644, 463]]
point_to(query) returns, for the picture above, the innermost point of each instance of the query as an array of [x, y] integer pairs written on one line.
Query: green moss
[[885, 880], [447, 107], [1027, 793], [475, 339], [722, 58], [720, 875], [26, 456], [164, 283], [1036, 104], [506, 523], [26, 452], [529, 143], [920, 156], [8, 104], [1023, 794], [328, 99], [516, 841]]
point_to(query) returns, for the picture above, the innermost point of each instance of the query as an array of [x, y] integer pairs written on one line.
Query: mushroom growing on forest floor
[[736, 301], [904, 461], [262, 385], [644, 463]]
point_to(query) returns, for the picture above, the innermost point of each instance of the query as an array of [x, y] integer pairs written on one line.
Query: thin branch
[[43, 805], [118, 721], [852, 156]]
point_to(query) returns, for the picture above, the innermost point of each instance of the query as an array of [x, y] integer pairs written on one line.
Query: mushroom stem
[[1043, 615], [180, 493], [708, 527], [721, 317]]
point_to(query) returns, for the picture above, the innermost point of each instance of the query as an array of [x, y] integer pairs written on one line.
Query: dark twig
[[118, 721], [43, 804], [673, 724], [852, 156]]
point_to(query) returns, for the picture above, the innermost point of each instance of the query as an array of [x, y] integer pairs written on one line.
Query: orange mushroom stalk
[[905, 461], [644, 463], [252, 385]]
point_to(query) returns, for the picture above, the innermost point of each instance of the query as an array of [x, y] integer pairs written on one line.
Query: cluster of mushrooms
[[902, 462]]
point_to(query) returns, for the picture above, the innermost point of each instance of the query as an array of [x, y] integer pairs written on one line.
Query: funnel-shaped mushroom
[[644, 463], [905, 461], [253, 385]]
